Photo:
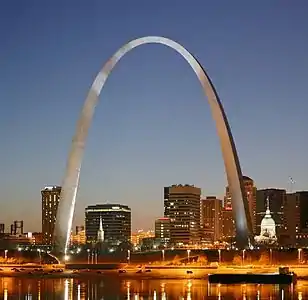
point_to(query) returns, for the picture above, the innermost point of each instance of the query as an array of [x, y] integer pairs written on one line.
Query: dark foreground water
[[26, 289]]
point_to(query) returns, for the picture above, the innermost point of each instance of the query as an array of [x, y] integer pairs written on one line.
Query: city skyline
[[132, 131], [223, 199]]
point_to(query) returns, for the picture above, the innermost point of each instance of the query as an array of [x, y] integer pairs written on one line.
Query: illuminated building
[[50, 202], [13, 241], [278, 199], [162, 230], [296, 218], [228, 226], [79, 238], [137, 237], [211, 219], [182, 207], [37, 238], [116, 223], [250, 192], [251, 195], [268, 228]]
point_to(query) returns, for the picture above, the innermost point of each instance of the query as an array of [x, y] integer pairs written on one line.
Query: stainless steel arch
[[232, 166]]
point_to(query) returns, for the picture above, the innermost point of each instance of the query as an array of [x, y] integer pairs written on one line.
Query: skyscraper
[[211, 216], [228, 226], [50, 202], [296, 219], [250, 192], [115, 222], [182, 207], [162, 229]]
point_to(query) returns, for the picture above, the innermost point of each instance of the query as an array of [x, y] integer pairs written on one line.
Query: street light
[[163, 254], [244, 250], [299, 256], [271, 256], [5, 254], [219, 255], [188, 255], [39, 251], [88, 250], [128, 256]]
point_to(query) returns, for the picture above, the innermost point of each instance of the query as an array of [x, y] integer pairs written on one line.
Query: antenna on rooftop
[[292, 182]]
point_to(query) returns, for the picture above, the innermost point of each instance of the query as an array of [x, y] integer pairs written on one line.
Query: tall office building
[[250, 192], [228, 225], [251, 195], [296, 219], [162, 229], [277, 199], [211, 219], [182, 207], [50, 202], [116, 223]]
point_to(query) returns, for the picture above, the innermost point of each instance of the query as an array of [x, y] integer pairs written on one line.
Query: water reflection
[[113, 288], [5, 291]]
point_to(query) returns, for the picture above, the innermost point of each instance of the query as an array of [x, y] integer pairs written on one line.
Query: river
[[92, 289]]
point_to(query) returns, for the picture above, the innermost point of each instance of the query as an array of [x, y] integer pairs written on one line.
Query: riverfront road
[[135, 272]]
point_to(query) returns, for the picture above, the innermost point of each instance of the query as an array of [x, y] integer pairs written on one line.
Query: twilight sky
[[153, 125]]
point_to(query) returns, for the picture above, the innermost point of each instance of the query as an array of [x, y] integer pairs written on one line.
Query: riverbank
[[137, 273]]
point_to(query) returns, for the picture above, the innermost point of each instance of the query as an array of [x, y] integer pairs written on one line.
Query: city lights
[[172, 207], [66, 257]]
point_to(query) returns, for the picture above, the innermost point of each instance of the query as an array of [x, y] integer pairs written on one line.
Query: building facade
[[17, 228], [116, 223], [211, 219], [251, 196], [296, 218], [182, 207], [228, 225], [267, 235], [140, 234], [79, 237], [250, 192], [277, 199], [162, 230], [50, 202]]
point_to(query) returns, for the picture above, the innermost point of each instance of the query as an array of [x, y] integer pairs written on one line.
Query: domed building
[[268, 228]]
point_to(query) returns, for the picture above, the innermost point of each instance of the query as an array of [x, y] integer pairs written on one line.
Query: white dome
[[267, 221], [268, 228]]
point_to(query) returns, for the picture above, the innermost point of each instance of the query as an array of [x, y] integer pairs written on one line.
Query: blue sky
[[153, 125]]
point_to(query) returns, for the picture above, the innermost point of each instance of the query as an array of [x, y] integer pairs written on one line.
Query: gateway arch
[[232, 166]]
